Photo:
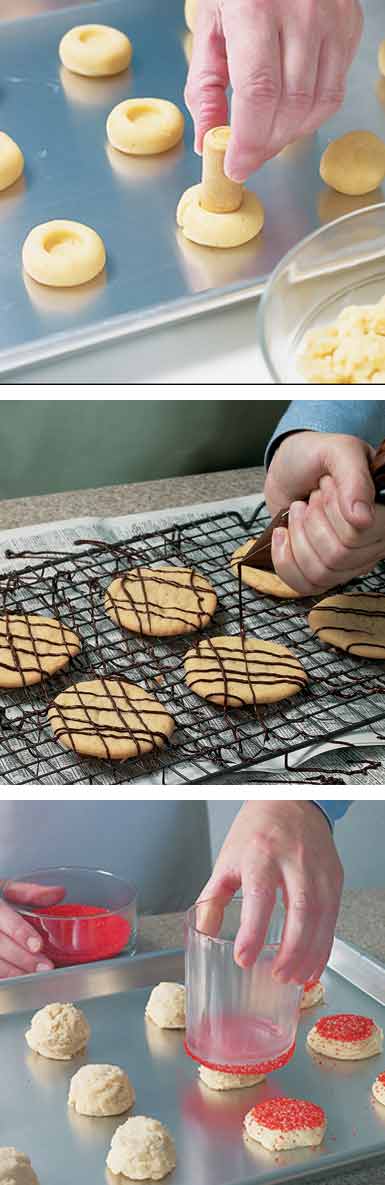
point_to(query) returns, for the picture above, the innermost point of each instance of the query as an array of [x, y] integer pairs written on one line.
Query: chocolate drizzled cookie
[[32, 647], [161, 602], [239, 671], [354, 622], [109, 718]]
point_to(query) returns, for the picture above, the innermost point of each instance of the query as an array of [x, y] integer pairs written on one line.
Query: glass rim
[[227, 941], [106, 911]]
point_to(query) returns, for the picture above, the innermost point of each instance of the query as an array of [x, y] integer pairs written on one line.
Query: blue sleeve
[[356, 417], [333, 810]]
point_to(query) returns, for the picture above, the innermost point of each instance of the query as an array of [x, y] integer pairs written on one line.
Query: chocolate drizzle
[[331, 629], [35, 644], [248, 666], [148, 610], [113, 698]]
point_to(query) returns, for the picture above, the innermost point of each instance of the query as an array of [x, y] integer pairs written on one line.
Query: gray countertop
[[361, 922]]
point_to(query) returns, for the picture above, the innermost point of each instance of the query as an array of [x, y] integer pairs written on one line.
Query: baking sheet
[[153, 275], [207, 1127]]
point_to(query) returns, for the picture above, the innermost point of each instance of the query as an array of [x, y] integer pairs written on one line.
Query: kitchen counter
[[361, 921]]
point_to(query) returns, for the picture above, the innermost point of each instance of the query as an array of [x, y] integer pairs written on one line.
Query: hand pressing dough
[[95, 50], [381, 58], [354, 164], [219, 1080], [346, 1037], [219, 230], [167, 1006], [237, 671], [11, 161], [259, 579], [190, 14], [63, 254], [142, 1149], [145, 127], [109, 718], [16, 1168], [352, 350], [283, 1123], [59, 1031], [101, 1090], [313, 993], [32, 647]]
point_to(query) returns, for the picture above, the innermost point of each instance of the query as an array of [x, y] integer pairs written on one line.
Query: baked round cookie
[[354, 622], [381, 58], [354, 164], [95, 50], [101, 1090], [145, 127], [313, 993], [161, 602], [62, 254], [220, 1080], [190, 14], [283, 1123], [32, 647], [346, 1037], [378, 1089], [59, 1031], [109, 718], [11, 161], [167, 1006], [238, 671], [259, 579], [16, 1168], [219, 230], [142, 1149]]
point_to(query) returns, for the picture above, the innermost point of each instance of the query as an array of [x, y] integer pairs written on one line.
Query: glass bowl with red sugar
[[92, 916]]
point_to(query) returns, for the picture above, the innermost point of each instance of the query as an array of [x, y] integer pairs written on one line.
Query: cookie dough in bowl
[[142, 1149], [11, 161], [98, 1090], [166, 1006], [95, 50], [16, 1168], [63, 254], [145, 127], [59, 1031]]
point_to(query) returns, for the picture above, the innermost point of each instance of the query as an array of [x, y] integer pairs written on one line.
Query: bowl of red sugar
[[82, 914]]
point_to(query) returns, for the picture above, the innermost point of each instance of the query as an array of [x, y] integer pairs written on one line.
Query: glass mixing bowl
[[343, 263]]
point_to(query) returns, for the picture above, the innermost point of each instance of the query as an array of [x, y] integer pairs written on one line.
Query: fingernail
[[43, 966], [242, 958], [34, 944], [363, 508], [279, 536]]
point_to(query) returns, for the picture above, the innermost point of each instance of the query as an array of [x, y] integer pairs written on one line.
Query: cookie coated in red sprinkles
[[381, 1078], [288, 1115], [345, 1026]]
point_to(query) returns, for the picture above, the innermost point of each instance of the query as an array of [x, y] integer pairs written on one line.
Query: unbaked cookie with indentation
[[95, 51]]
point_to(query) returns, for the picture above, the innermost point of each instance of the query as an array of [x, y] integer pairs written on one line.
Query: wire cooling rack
[[343, 692]]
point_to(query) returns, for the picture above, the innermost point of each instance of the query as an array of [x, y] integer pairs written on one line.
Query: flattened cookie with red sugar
[[161, 602], [32, 647], [313, 993], [109, 718], [237, 671], [346, 1036], [378, 1089], [282, 1124]]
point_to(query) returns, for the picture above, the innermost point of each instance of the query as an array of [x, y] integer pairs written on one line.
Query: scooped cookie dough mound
[[95, 50], [219, 230], [167, 1006], [238, 671], [313, 993], [352, 350], [109, 718], [354, 164], [145, 127], [62, 254], [161, 602], [282, 1124], [354, 622], [259, 579], [142, 1149], [346, 1037], [32, 647], [101, 1090], [16, 1168], [378, 1089], [220, 1080], [59, 1031], [11, 161]]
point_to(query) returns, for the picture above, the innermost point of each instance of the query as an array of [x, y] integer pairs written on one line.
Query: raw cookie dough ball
[[219, 1080], [283, 1123], [95, 50], [11, 161], [145, 127], [346, 1037], [259, 579], [219, 230], [58, 1031], [313, 993], [190, 14], [63, 254], [167, 1006], [381, 58], [16, 1168], [142, 1149], [101, 1090], [378, 1089], [354, 164]]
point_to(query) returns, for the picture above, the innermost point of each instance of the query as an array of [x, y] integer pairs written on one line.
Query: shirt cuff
[[366, 420], [333, 810]]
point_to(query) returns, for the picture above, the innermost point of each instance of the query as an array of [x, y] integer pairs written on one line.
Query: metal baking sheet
[[207, 1127], [153, 275]]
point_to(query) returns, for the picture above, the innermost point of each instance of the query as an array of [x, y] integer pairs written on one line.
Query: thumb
[[29, 894], [347, 462]]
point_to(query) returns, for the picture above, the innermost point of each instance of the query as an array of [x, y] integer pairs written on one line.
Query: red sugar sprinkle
[[345, 1026], [310, 983], [381, 1078], [288, 1114], [101, 934]]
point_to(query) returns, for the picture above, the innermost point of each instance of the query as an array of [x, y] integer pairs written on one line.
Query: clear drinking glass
[[238, 1020]]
